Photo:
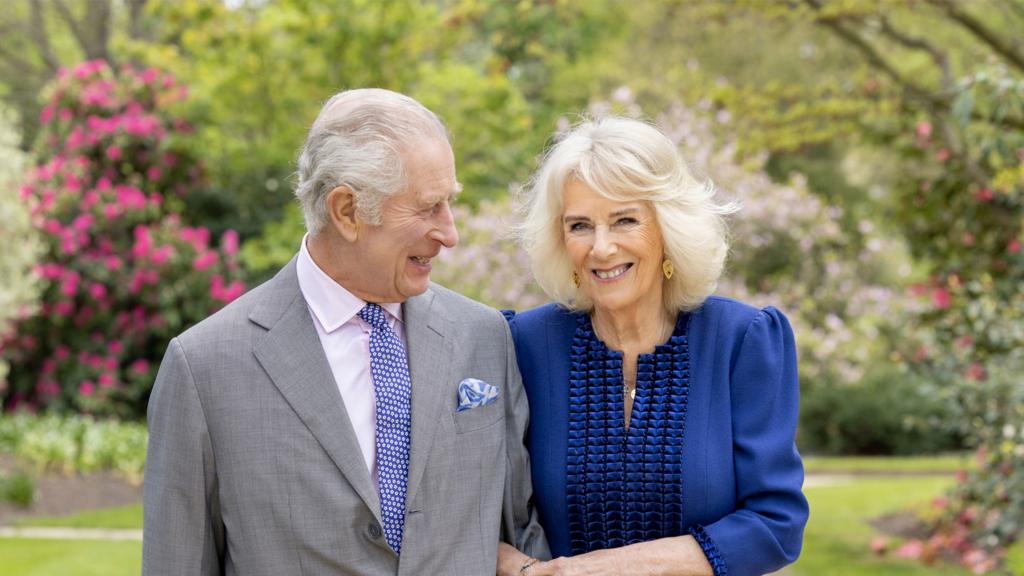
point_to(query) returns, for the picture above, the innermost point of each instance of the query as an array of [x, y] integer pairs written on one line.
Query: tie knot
[[374, 315]]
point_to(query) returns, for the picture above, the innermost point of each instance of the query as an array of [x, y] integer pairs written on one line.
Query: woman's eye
[[626, 221], [578, 226]]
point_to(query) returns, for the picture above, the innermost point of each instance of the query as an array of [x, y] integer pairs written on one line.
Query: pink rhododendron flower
[[140, 367], [115, 347], [940, 298], [98, 291], [143, 242], [229, 242], [204, 260], [976, 372], [113, 263], [162, 254], [106, 380], [114, 152], [154, 173], [984, 194], [62, 352], [46, 114], [86, 388], [1014, 246]]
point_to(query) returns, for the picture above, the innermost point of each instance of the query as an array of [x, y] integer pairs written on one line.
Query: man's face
[[415, 224]]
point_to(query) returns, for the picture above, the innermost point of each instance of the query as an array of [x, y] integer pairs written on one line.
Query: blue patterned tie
[[393, 388]]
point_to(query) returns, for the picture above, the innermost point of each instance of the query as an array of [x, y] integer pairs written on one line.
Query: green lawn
[[888, 464], [837, 538], [29, 557], [123, 517], [836, 541]]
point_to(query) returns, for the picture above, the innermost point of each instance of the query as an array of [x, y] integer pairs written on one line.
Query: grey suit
[[253, 466]]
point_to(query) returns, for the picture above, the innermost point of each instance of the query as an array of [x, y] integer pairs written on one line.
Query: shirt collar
[[330, 302]]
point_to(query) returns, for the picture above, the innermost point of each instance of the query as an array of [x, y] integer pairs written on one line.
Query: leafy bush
[[75, 443], [888, 412], [121, 273], [18, 488]]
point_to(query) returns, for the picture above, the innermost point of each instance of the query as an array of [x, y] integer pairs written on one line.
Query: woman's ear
[[341, 207]]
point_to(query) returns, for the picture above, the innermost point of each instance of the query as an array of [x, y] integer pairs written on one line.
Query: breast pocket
[[479, 417]]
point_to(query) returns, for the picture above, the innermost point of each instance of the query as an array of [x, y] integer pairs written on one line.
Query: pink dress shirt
[[345, 338]]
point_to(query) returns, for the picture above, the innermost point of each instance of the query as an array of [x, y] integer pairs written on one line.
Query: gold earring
[[575, 278], [668, 269]]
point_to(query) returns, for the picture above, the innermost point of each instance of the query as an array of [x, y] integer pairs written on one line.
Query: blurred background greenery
[[877, 146]]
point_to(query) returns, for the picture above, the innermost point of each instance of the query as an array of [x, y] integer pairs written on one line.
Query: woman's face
[[615, 247]]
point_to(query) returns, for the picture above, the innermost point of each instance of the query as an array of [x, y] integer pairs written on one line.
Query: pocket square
[[474, 392]]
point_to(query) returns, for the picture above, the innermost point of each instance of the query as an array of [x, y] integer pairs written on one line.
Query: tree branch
[[37, 29], [1007, 50], [938, 56], [97, 20]]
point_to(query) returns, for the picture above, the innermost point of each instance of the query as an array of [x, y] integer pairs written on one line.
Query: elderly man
[[346, 417]]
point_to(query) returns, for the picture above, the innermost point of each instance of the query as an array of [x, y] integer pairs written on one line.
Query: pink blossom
[[69, 284], [965, 341], [116, 347], [880, 545], [149, 75], [143, 242], [83, 222], [62, 352], [98, 291], [46, 114], [984, 194], [63, 308], [86, 388], [940, 502], [90, 199], [940, 298], [170, 159], [924, 129], [111, 211], [103, 184], [204, 260], [229, 242], [1014, 246], [25, 192], [65, 115], [114, 152], [975, 372], [226, 294], [911, 549], [49, 366], [162, 254], [113, 263], [154, 173], [140, 367], [106, 380]]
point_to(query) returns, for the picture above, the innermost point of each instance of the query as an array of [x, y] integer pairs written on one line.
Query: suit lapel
[[292, 355], [426, 324]]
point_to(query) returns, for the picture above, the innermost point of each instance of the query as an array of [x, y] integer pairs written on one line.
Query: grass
[[30, 557], [123, 517], [838, 535], [888, 464]]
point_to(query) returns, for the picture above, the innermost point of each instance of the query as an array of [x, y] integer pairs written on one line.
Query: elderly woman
[[662, 418]]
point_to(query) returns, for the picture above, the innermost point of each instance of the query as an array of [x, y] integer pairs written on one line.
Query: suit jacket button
[[375, 531]]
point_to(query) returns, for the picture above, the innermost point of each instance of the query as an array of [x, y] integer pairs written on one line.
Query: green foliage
[[886, 412], [18, 488], [75, 443]]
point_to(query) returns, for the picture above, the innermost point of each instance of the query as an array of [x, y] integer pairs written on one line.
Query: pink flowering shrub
[[121, 273]]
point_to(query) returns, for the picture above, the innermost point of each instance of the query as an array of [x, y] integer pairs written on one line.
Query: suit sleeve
[[182, 530], [520, 524], [766, 531]]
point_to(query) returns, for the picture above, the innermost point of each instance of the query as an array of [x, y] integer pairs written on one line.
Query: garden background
[[877, 146]]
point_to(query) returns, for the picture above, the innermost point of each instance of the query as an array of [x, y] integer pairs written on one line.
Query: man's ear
[[341, 207]]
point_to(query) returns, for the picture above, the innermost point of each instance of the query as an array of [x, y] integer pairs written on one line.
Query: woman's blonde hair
[[626, 160]]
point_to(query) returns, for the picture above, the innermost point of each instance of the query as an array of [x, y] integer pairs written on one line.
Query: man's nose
[[445, 232]]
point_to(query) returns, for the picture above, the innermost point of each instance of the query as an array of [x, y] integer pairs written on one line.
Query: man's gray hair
[[359, 140]]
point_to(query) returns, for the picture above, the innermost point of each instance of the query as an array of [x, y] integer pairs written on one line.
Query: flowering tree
[[18, 287], [121, 273]]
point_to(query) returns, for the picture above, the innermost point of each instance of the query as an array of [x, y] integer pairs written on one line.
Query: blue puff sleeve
[[766, 530]]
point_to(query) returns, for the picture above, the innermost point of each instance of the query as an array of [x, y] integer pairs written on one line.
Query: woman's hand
[[678, 556]]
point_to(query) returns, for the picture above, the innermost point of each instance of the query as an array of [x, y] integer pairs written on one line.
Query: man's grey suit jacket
[[253, 466]]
